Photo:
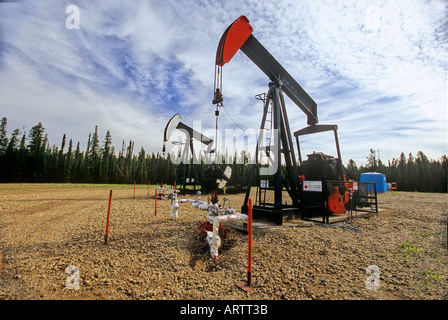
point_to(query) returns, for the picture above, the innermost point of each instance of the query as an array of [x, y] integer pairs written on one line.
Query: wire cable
[[231, 117]]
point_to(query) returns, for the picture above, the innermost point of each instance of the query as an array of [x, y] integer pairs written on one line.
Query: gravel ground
[[45, 229]]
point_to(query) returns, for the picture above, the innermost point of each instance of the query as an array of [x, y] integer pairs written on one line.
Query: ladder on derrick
[[265, 147]]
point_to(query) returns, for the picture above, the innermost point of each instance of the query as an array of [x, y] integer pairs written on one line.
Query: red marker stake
[[155, 211], [243, 284], [108, 217], [249, 266]]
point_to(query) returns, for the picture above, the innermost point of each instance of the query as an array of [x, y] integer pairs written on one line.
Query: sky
[[377, 69]]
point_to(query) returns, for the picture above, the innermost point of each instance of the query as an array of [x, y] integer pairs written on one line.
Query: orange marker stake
[[108, 217], [134, 189]]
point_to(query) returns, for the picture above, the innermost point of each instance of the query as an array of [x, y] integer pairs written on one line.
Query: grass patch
[[409, 248], [432, 276], [49, 186]]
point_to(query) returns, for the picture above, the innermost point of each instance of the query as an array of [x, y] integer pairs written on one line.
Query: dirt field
[[49, 230]]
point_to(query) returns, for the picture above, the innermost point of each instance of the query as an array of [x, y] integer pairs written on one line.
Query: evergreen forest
[[31, 158]]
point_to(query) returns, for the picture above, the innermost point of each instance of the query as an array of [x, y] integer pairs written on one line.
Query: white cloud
[[375, 69]]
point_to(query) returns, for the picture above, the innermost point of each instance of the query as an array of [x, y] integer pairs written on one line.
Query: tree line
[[31, 158], [411, 173]]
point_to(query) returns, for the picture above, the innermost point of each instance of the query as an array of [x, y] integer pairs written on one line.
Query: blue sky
[[376, 69]]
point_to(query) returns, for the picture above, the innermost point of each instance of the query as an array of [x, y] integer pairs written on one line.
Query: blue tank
[[378, 178]]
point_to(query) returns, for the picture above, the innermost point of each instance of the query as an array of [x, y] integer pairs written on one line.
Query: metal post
[[274, 89], [376, 199], [289, 154]]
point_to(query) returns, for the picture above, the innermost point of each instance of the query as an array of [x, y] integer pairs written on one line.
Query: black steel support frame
[[186, 163], [371, 199], [361, 199], [316, 129], [191, 134], [277, 212], [281, 81]]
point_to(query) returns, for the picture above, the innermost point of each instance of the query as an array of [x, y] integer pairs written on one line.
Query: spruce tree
[[35, 167], [3, 136], [105, 158], [68, 163], [77, 165], [94, 156], [60, 167]]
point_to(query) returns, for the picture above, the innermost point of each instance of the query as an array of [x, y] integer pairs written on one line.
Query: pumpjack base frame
[[279, 216]]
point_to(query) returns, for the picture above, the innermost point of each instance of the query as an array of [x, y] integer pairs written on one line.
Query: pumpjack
[[316, 187], [208, 179]]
